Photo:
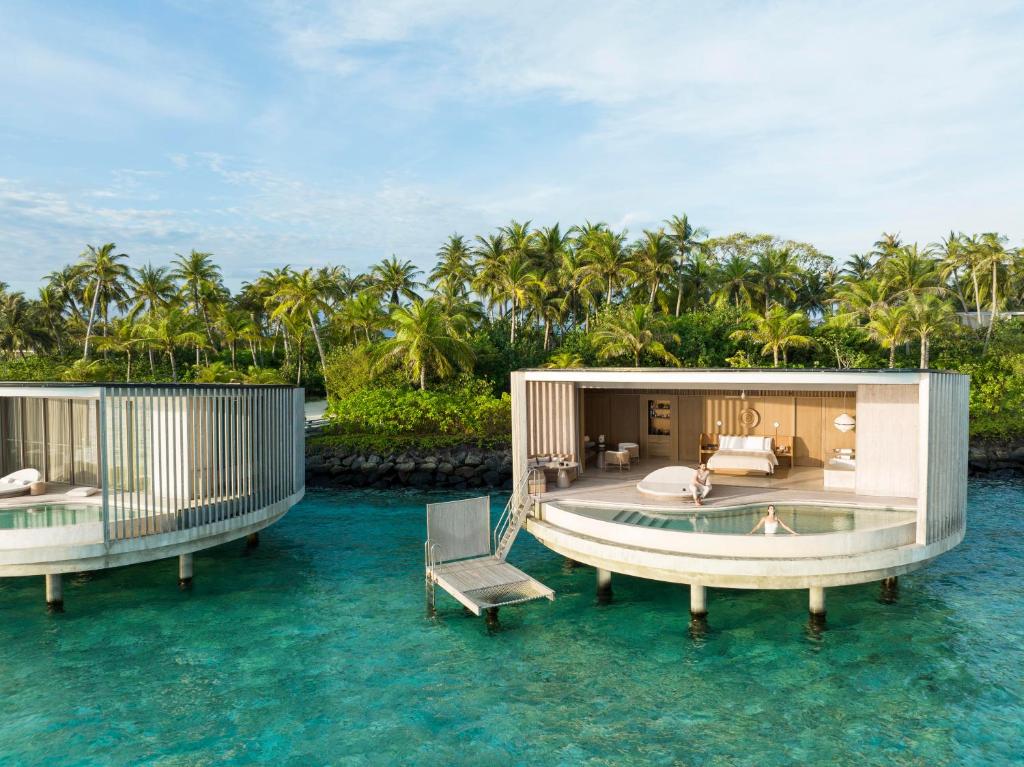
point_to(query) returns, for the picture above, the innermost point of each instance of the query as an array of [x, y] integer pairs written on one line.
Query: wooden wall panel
[[624, 419], [886, 440], [691, 424], [807, 444]]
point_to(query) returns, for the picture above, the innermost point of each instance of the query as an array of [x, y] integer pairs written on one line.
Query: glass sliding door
[[11, 424]]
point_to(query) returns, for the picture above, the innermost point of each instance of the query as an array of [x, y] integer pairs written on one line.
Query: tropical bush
[[465, 409]]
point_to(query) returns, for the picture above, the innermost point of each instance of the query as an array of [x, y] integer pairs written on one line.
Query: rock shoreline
[[454, 468], [996, 458]]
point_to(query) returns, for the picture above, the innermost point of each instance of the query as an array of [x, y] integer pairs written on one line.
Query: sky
[[311, 133]]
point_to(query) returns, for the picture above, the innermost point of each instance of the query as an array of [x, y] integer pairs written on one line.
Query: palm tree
[[685, 238], [995, 258], [200, 284], [910, 271], [654, 261], [960, 256], [51, 304], [152, 287], [454, 268], [234, 325], [634, 331], [125, 338], [564, 360], [862, 299], [736, 282], [302, 294], [889, 327], [170, 329], [19, 330], [777, 331], [488, 253], [776, 272], [363, 313], [422, 343], [104, 275], [858, 268], [396, 279], [606, 261], [928, 315], [515, 281]]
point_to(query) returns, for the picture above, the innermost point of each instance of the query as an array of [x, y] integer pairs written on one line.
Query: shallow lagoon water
[[315, 649]]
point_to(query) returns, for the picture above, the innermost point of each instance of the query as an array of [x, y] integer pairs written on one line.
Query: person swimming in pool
[[771, 523]]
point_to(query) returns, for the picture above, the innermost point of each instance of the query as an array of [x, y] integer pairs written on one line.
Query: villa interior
[[683, 426]]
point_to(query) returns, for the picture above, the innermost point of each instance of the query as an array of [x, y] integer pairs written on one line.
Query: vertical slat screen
[[948, 395], [181, 457], [551, 418]]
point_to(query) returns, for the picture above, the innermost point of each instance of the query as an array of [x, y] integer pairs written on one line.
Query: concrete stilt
[[698, 600], [492, 618], [816, 601], [184, 571], [252, 540], [54, 592], [604, 586]]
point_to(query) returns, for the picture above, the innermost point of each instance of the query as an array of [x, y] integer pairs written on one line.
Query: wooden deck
[[799, 484]]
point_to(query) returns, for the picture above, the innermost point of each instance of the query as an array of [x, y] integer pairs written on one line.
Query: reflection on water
[[315, 649]]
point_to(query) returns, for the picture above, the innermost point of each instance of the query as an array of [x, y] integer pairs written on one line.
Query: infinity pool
[[804, 520], [314, 649], [49, 515]]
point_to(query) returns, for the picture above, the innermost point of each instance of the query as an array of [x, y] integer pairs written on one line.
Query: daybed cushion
[[82, 492]]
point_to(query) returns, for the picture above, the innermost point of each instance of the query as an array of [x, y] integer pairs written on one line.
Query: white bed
[[744, 454]]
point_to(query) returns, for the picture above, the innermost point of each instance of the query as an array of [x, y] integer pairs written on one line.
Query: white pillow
[[725, 442], [767, 443]]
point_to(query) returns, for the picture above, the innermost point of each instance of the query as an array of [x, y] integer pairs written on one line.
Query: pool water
[[315, 649], [804, 520], [49, 515]]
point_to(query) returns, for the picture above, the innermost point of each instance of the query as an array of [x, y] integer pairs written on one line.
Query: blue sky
[[341, 132]]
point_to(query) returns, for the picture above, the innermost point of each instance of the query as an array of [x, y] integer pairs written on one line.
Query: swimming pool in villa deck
[[49, 515], [803, 519]]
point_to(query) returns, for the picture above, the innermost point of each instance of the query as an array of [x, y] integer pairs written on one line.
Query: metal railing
[[519, 505]]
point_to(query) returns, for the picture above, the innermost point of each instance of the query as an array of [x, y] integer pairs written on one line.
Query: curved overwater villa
[[866, 472], [97, 476]]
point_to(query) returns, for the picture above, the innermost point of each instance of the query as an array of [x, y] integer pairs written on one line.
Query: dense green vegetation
[[407, 354]]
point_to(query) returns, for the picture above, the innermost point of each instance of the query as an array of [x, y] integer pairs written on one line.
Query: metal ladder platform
[[485, 582], [460, 560]]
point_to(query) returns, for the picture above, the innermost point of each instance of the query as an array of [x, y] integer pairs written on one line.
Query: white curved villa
[[109, 475], [869, 468]]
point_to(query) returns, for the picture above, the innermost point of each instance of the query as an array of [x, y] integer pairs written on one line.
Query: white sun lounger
[[18, 482]]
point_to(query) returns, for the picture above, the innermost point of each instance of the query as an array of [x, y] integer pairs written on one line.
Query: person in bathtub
[[771, 523]]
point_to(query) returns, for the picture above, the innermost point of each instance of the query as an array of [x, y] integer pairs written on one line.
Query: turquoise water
[[804, 520], [49, 515], [315, 649]]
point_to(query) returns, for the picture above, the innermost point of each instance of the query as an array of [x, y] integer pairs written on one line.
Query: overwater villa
[[97, 476], [867, 467]]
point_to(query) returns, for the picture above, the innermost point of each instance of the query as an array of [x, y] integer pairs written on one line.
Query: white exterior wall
[[887, 440]]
